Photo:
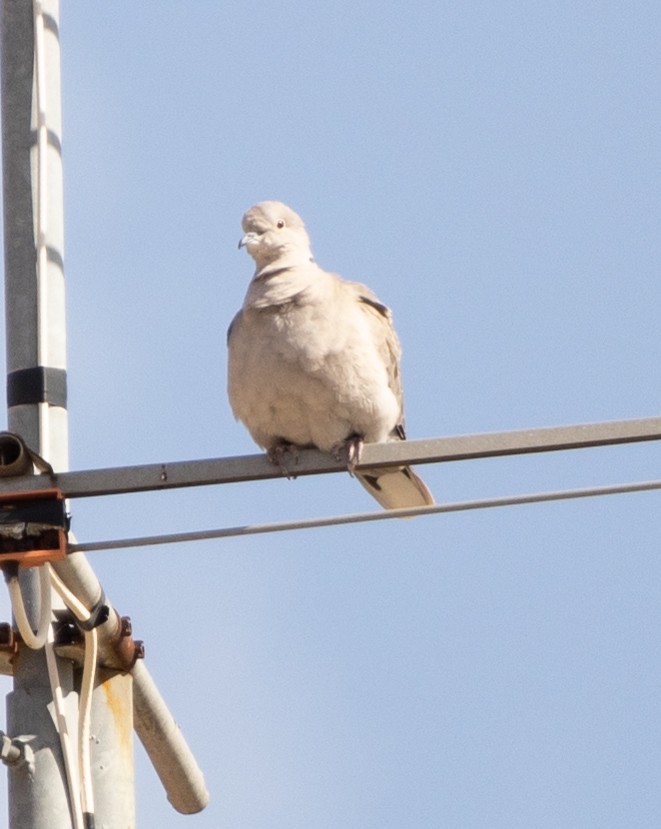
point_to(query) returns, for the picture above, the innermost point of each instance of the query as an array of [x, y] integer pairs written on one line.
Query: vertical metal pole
[[36, 397], [112, 750], [37, 795]]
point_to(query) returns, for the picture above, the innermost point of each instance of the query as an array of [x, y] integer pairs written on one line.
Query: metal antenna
[[35, 366], [36, 395]]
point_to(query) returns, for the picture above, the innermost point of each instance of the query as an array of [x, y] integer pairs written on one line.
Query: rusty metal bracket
[[128, 649], [33, 527], [122, 654]]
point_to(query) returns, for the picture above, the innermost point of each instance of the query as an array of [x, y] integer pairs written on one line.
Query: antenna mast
[[39, 794]]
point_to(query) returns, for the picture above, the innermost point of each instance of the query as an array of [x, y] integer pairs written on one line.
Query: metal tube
[[37, 795], [112, 750], [178, 474], [36, 389], [166, 747], [364, 517]]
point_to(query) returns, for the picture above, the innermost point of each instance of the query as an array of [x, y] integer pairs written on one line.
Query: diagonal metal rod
[[360, 517], [162, 476]]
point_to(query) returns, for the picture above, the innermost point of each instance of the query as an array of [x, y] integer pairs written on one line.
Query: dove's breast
[[308, 375]]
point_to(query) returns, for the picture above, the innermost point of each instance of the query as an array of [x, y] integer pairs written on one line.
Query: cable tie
[[98, 615]]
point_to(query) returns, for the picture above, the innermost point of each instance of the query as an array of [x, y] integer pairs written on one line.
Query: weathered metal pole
[[37, 791], [36, 397]]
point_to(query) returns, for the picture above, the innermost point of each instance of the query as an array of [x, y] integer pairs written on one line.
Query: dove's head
[[274, 233]]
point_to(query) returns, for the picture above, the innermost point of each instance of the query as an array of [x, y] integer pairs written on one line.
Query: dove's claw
[[276, 455], [350, 450]]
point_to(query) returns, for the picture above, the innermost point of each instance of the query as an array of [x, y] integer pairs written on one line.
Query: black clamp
[[98, 615]]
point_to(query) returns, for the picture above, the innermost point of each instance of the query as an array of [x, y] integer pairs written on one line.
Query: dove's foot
[[350, 450], [276, 455]]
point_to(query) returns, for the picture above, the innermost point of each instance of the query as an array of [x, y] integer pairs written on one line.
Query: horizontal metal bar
[[359, 517], [162, 476]]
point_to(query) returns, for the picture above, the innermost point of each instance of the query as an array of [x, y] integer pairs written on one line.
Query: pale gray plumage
[[314, 359]]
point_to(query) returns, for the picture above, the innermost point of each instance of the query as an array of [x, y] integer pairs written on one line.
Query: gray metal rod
[[164, 743], [155, 726], [177, 474], [38, 795], [36, 358], [36, 352], [362, 517]]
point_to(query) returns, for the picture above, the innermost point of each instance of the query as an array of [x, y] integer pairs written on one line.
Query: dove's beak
[[249, 237]]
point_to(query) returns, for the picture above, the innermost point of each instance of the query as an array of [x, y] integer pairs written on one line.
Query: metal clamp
[[33, 527], [98, 615]]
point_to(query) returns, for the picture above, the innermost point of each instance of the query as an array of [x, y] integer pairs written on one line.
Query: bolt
[[17, 751], [7, 638], [9, 753]]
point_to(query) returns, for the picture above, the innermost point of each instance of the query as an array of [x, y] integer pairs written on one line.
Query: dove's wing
[[393, 487], [313, 358]]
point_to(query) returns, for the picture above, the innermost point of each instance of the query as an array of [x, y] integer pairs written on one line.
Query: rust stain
[[116, 689]]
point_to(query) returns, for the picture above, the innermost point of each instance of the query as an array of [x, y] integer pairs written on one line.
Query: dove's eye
[[280, 224]]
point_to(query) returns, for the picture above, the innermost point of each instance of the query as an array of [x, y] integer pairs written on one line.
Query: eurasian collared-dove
[[314, 359]]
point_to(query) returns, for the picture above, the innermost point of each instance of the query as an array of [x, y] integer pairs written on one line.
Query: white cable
[[70, 599], [86, 691], [72, 771], [32, 640], [85, 719], [44, 638]]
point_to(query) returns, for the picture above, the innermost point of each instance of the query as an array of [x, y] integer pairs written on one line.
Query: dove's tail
[[396, 487]]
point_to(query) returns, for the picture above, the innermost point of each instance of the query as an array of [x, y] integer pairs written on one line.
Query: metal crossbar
[[163, 476]]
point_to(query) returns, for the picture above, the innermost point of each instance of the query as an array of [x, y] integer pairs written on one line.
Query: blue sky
[[492, 171]]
